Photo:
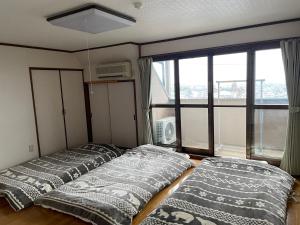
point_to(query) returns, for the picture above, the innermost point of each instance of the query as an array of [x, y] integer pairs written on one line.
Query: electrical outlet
[[31, 148]]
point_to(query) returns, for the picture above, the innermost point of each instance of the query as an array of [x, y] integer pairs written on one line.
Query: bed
[[228, 191], [115, 192], [24, 183]]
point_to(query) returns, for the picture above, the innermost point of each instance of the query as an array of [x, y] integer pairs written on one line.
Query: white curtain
[[291, 59], [145, 65]]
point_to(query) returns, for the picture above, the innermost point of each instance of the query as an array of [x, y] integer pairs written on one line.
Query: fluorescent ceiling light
[[92, 19]]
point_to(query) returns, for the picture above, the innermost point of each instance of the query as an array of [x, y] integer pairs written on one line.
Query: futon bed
[[22, 184], [115, 192], [228, 191]]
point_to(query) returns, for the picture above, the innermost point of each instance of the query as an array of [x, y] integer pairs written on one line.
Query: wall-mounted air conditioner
[[165, 130], [114, 70]]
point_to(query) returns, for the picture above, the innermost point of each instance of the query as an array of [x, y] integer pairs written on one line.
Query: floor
[[40, 216]]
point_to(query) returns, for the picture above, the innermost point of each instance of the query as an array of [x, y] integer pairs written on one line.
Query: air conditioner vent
[[122, 69]]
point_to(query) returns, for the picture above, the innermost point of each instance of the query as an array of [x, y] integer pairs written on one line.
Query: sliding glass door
[[193, 86], [229, 103], [163, 104], [270, 105], [230, 88]]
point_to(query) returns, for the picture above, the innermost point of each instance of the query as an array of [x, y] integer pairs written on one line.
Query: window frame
[[253, 106], [249, 49]]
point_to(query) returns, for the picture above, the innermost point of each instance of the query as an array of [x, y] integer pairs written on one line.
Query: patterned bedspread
[[23, 184], [228, 191], [115, 192]]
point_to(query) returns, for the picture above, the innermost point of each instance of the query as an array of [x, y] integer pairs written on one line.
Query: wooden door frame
[[62, 100], [88, 108]]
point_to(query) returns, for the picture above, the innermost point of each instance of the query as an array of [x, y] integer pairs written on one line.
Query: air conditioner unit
[[114, 70], [165, 130]]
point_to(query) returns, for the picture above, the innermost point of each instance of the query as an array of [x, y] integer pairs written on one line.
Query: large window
[[226, 103]]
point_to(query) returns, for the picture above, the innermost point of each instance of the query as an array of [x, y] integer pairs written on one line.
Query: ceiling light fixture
[[92, 19]]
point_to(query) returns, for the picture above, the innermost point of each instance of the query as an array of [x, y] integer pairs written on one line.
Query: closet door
[[74, 107], [48, 106], [100, 113], [122, 113]]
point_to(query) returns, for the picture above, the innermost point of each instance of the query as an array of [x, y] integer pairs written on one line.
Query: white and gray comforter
[[228, 191], [115, 192], [23, 184]]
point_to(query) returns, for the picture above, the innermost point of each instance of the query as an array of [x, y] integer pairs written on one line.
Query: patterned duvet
[[115, 192], [23, 184], [228, 191]]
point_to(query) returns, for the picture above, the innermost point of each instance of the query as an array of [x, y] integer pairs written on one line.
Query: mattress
[[23, 184], [115, 192], [228, 191]]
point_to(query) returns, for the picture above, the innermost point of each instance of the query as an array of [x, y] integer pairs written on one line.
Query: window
[[270, 128], [193, 75], [230, 74], [230, 131], [270, 85], [215, 105], [194, 128], [230, 88], [162, 82], [164, 126], [163, 103], [270, 105], [193, 86]]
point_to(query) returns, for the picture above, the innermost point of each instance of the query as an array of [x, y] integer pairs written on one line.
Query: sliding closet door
[[122, 113], [100, 113], [74, 107], [48, 105]]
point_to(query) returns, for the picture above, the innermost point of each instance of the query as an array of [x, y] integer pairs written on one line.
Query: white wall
[[17, 127], [128, 52], [278, 31]]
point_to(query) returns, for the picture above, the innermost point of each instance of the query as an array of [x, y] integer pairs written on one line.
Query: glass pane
[[270, 85], [230, 75], [193, 80], [162, 82], [230, 132], [194, 127], [164, 126], [269, 132]]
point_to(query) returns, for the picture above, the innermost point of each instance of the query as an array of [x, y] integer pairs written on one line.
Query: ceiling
[[23, 21]]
